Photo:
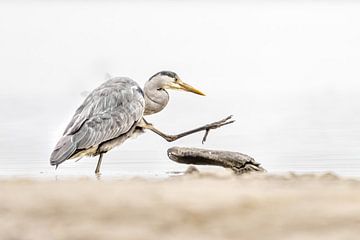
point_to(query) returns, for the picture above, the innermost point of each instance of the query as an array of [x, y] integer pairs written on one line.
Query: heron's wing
[[108, 112]]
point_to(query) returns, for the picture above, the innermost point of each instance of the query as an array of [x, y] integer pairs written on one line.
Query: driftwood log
[[238, 162]]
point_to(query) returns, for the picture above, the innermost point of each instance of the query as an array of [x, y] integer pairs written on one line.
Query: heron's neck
[[156, 98]]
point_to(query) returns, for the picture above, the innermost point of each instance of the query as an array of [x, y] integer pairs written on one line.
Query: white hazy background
[[288, 71]]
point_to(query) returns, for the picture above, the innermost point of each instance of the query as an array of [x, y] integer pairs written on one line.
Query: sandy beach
[[196, 206]]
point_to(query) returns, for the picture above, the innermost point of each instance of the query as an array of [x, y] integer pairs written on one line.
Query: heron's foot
[[215, 125], [98, 176], [220, 123]]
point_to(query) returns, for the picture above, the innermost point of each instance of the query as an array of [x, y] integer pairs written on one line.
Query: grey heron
[[115, 111]]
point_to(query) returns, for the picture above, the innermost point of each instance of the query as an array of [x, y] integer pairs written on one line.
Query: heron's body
[[112, 113], [108, 116]]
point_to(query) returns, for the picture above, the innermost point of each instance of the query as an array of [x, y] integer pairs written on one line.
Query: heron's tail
[[64, 149]]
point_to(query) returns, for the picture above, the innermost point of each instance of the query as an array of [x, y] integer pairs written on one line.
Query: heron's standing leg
[[97, 170]]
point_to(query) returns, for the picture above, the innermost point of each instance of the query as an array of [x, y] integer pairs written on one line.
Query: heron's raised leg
[[205, 128], [97, 170]]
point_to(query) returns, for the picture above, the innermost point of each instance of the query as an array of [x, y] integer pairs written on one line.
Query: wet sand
[[197, 206]]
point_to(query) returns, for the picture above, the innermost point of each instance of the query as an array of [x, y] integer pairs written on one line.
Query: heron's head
[[170, 80]]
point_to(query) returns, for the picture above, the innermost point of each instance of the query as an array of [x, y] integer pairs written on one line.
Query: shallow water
[[290, 81], [320, 143]]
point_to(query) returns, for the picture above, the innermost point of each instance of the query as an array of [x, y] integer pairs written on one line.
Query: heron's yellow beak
[[186, 87]]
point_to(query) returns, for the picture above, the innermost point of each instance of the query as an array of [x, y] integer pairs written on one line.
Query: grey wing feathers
[[108, 112]]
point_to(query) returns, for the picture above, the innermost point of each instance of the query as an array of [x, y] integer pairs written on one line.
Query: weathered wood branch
[[238, 162]]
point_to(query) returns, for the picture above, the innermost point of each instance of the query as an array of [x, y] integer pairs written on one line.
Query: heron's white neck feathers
[[156, 97]]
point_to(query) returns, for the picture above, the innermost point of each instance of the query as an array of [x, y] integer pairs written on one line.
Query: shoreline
[[194, 206]]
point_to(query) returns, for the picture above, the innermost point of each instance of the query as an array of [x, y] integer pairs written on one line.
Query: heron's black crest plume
[[165, 73]]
